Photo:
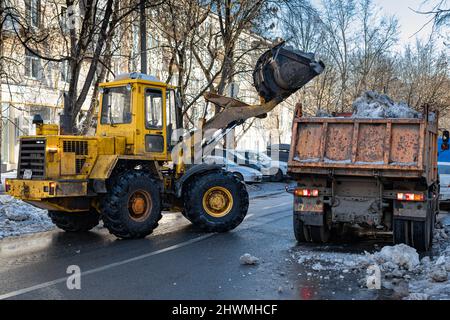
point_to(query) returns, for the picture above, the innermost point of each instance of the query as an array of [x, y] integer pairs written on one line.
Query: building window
[[31, 65], [33, 12], [65, 71]]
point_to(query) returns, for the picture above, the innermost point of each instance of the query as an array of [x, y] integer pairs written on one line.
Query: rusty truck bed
[[405, 148]]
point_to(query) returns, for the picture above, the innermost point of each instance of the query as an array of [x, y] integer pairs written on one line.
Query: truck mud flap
[[310, 218]]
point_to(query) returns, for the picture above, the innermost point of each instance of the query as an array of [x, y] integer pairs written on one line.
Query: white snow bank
[[375, 105], [400, 255], [18, 217]]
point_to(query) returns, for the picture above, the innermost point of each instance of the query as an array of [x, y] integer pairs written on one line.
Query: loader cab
[[141, 110]]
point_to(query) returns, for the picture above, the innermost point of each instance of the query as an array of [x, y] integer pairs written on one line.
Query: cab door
[[154, 126]]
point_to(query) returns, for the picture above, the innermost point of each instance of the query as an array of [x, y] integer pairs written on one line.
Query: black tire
[[421, 235], [239, 176], [301, 232], [199, 188], [319, 234], [75, 221], [413, 233], [278, 177], [401, 231], [119, 214]]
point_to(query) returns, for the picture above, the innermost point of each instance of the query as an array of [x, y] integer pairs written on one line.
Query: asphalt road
[[175, 262]]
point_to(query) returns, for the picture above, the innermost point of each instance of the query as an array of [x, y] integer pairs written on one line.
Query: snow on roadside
[[18, 217], [399, 265]]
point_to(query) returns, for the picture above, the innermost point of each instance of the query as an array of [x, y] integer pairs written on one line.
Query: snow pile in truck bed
[[375, 105], [18, 217]]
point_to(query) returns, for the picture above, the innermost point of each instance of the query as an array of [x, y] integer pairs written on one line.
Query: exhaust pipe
[[280, 72]]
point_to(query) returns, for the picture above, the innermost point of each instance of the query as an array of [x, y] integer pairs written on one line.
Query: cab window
[[116, 106], [153, 109]]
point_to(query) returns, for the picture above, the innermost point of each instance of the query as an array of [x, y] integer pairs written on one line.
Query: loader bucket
[[280, 72]]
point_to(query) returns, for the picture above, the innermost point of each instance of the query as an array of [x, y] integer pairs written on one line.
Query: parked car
[[246, 174], [444, 181], [275, 169], [279, 151]]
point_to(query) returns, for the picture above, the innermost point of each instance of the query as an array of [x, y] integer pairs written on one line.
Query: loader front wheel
[[75, 221], [132, 207], [216, 202]]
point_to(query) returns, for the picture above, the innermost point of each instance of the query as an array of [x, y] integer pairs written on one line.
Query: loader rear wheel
[[132, 207], [75, 221], [216, 202], [301, 231]]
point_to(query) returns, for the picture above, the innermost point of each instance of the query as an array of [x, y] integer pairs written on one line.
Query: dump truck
[[133, 168], [375, 177]]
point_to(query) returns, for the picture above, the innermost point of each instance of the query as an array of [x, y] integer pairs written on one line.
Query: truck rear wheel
[[301, 231], [75, 221], [132, 207], [216, 202], [319, 234], [413, 233]]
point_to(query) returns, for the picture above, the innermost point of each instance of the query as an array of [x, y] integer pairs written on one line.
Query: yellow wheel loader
[[130, 171]]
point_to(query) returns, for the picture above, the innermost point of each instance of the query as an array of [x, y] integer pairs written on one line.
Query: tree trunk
[[1, 98]]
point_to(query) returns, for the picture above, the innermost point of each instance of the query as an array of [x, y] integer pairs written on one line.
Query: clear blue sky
[[410, 21]]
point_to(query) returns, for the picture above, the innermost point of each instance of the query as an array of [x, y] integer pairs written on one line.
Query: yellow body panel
[[134, 133], [40, 189], [103, 166], [67, 164], [47, 129]]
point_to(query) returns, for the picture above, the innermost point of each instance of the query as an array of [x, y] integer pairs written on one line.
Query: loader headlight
[[52, 149], [7, 186], [52, 188]]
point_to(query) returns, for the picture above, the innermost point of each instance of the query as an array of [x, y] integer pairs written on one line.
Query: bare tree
[[378, 36], [82, 38]]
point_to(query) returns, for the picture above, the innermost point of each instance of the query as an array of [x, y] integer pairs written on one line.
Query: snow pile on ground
[[402, 271], [248, 259], [395, 257], [319, 261], [18, 217], [375, 105]]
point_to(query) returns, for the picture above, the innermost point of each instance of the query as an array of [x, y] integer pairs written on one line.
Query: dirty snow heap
[[375, 105], [18, 217]]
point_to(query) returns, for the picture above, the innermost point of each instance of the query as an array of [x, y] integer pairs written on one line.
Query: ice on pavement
[[18, 217], [375, 105]]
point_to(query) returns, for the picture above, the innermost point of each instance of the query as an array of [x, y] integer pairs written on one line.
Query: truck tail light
[[306, 192], [410, 196], [52, 187], [7, 186]]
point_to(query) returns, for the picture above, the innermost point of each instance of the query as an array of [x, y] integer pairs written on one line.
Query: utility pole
[[143, 36]]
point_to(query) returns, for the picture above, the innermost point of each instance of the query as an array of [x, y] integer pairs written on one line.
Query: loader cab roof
[[136, 77]]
